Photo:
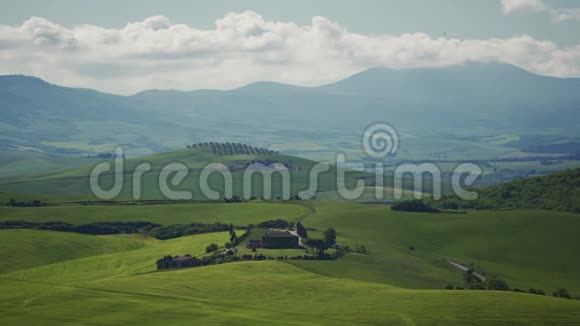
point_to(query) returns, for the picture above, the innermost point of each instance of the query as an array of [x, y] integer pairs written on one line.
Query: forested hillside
[[559, 191]]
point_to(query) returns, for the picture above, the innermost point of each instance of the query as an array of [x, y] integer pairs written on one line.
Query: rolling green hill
[[122, 287], [23, 249], [75, 181], [558, 191], [264, 293], [59, 278], [527, 248], [518, 246]]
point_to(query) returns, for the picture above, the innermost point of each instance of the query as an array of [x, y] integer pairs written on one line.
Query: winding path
[[465, 269]]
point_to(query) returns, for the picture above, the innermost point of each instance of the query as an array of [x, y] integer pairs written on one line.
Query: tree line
[[32, 203], [103, 228], [417, 206], [225, 149], [556, 191], [472, 282]]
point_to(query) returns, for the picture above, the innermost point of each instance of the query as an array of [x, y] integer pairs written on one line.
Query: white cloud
[[510, 6], [242, 48], [558, 14]]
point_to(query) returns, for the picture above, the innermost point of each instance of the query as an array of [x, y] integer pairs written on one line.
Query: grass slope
[[24, 162], [22, 249], [526, 248], [119, 264], [76, 180], [265, 293], [81, 279]]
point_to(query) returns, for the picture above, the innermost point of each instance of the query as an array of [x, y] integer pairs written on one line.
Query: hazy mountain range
[[473, 100]]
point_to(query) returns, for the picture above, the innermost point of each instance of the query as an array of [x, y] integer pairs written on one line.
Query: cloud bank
[[539, 6], [242, 48]]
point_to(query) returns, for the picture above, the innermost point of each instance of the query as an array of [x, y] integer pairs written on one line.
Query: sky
[[125, 47]]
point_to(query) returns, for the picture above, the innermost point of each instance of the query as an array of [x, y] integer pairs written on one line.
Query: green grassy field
[[120, 288], [22, 249], [50, 277], [129, 262], [526, 248], [74, 182], [27, 162], [519, 246]]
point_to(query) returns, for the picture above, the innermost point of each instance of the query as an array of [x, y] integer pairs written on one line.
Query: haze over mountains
[[478, 100]]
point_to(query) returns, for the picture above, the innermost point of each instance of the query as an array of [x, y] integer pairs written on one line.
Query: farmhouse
[[280, 240]]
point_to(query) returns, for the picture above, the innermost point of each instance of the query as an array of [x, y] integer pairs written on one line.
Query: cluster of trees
[[275, 224], [563, 293], [472, 282], [235, 239], [417, 206], [32, 203], [213, 259], [318, 246], [174, 262], [211, 247], [557, 191], [223, 149], [99, 228], [228, 256]]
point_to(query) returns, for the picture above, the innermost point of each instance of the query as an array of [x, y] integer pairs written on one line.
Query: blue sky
[[127, 46]]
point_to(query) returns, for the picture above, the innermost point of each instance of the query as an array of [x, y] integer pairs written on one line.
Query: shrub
[[212, 247], [476, 286], [234, 199], [498, 285], [562, 293], [417, 206], [275, 224]]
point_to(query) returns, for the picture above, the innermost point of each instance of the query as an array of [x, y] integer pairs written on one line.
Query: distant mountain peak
[[22, 79], [268, 86], [468, 67]]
